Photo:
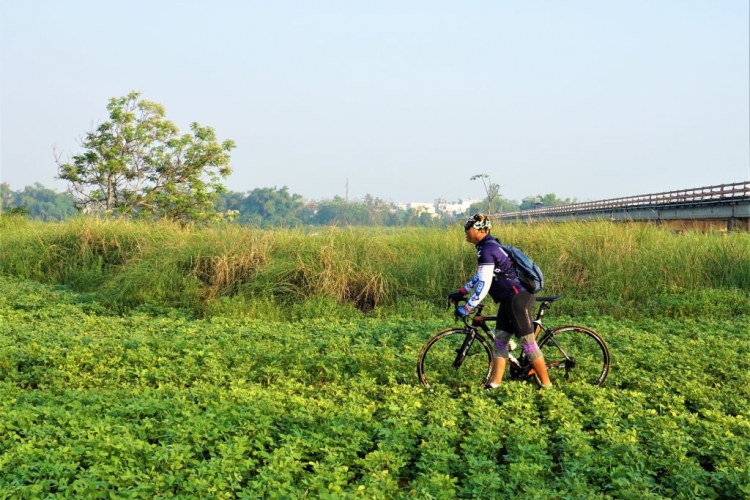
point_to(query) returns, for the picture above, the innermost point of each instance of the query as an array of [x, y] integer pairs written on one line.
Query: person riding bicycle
[[497, 277]]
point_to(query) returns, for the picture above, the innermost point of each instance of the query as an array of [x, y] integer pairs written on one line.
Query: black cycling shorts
[[514, 314]]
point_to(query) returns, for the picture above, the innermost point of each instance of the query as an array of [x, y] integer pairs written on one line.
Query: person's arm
[[469, 287], [480, 283]]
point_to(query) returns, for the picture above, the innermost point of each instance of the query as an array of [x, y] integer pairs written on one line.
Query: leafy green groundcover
[[95, 405]]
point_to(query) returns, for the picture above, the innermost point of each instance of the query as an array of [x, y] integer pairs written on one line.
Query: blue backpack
[[529, 274]]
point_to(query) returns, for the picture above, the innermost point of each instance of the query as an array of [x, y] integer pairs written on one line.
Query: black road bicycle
[[460, 357]]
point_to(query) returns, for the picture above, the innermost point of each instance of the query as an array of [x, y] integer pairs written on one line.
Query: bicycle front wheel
[[440, 363], [575, 354]]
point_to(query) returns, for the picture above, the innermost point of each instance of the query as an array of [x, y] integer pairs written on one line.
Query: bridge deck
[[725, 201]]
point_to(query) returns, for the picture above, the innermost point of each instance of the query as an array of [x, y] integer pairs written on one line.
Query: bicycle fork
[[462, 351]]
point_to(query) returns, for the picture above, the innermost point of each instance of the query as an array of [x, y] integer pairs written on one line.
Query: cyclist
[[497, 277]]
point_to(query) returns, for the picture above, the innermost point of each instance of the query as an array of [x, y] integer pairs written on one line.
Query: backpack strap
[[513, 262]]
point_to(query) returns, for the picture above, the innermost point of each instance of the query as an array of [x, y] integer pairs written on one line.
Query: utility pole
[[492, 190], [346, 195]]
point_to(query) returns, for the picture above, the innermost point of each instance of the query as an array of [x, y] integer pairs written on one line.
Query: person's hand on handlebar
[[456, 297], [463, 311]]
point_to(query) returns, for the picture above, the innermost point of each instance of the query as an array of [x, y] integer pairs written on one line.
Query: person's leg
[[521, 320], [536, 358], [503, 327], [541, 369], [500, 358]]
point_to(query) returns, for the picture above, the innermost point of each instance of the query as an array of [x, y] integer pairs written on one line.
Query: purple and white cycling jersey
[[495, 275]]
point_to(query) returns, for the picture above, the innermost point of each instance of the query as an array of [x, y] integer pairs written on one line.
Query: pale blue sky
[[407, 100]]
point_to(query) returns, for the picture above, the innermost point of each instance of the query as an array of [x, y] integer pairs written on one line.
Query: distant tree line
[[271, 207], [138, 164], [37, 202], [277, 207]]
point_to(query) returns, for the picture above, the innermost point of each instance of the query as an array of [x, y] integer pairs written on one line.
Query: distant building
[[423, 208], [440, 207], [418, 207], [454, 208]]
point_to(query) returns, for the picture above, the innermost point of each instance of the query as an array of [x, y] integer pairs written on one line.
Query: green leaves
[[137, 164], [143, 406]]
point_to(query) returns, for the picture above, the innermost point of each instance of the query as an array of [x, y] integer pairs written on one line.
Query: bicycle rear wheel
[[575, 354], [438, 360]]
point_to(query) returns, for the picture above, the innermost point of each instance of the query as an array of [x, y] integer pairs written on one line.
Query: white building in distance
[[418, 207], [454, 208], [440, 207]]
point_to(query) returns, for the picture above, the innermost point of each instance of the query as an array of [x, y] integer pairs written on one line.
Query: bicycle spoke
[[575, 354], [437, 361]]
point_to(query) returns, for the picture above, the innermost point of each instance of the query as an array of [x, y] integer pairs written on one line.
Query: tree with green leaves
[[37, 202], [339, 212], [379, 210], [272, 207], [5, 195], [138, 164], [548, 200], [500, 205]]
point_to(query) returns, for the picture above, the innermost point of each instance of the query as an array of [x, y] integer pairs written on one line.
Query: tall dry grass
[[131, 264]]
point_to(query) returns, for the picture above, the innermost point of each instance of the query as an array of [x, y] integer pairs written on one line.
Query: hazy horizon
[[402, 101]]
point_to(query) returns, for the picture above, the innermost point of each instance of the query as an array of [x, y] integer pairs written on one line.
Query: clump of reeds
[[130, 264]]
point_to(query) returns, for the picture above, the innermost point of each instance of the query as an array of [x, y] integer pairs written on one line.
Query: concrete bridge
[[725, 205]]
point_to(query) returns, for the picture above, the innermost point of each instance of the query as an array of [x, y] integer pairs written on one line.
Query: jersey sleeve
[[480, 284]]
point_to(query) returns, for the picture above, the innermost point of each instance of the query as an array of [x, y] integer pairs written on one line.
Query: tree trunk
[[110, 193]]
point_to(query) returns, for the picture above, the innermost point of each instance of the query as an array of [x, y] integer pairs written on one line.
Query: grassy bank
[[601, 267]]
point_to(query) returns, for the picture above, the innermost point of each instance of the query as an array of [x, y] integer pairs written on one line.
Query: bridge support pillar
[[741, 223]]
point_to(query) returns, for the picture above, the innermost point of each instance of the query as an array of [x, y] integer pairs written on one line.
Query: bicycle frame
[[520, 368]]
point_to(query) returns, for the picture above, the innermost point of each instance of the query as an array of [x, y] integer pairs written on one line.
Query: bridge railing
[[722, 193]]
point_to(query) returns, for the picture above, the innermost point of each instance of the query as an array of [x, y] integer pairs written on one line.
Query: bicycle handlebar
[[544, 303]]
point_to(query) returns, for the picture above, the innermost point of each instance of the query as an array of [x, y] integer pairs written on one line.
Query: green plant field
[[101, 405]]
